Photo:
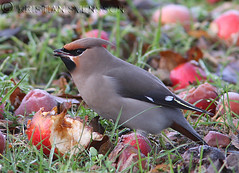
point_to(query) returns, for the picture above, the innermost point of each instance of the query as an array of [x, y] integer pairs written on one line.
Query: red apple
[[125, 156], [2, 107], [213, 1], [233, 105], [226, 27], [186, 73], [2, 143], [67, 134], [204, 95], [97, 34], [39, 130], [144, 143], [34, 100], [172, 14]]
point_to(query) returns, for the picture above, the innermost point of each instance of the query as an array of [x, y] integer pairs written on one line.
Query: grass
[[27, 57]]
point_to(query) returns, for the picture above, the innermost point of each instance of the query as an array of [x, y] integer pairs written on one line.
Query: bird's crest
[[86, 43]]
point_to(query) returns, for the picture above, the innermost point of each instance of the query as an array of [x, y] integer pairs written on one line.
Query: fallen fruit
[[226, 27], [34, 100], [185, 74], [213, 1], [233, 105], [2, 143], [97, 34], [67, 134], [144, 143], [215, 139], [205, 96], [39, 130], [125, 156], [2, 107], [173, 14]]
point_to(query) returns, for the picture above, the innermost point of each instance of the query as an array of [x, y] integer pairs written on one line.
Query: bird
[[114, 88]]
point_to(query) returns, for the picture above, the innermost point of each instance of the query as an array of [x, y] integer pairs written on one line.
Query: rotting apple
[[205, 97], [39, 130], [144, 143], [34, 100], [173, 14], [185, 74], [233, 105], [215, 139], [2, 143], [67, 134], [226, 27]]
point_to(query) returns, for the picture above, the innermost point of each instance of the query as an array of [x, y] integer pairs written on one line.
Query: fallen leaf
[[169, 60], [198, 33], [103, 146], [160, 168], [97, 127], [16, 97], [61, 83], [194, 54]]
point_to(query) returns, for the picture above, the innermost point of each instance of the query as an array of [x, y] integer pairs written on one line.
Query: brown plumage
[[110, 85]]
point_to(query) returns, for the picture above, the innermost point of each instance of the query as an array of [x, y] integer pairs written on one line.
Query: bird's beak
[[66, 58], [61, 53]]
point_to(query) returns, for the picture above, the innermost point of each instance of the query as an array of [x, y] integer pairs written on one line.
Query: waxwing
[[113, 87]]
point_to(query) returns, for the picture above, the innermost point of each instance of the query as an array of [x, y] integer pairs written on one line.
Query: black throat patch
[[70, 65]]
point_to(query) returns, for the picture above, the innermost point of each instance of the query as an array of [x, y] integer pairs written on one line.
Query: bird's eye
[[80, 51], [75, 52]]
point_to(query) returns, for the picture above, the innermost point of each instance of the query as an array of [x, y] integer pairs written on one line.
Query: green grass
[[27, 57]]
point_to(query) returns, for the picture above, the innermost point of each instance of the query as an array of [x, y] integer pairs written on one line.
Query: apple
[[129, 156], [123, 157], [2, 143], [233, 105], [97, 34], [186, 73], [39, 130], [67, 134], [215, 139], [173, 14], [34, 100], [226, 27], [144, 143], [213, 1], [204, 95], [2, 107]]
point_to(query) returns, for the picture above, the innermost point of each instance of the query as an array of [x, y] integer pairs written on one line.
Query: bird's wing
[[133, 82]]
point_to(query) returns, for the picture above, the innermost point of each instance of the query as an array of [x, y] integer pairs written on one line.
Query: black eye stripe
[[74, 52]]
